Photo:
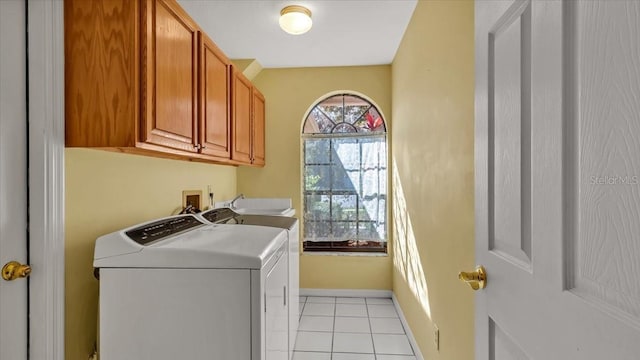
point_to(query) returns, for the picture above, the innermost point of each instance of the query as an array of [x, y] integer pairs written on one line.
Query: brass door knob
[[14, 270], [476, 279]]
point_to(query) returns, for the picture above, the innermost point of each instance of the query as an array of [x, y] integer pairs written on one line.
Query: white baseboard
[[346, 293], [405, 325], [369, 294]]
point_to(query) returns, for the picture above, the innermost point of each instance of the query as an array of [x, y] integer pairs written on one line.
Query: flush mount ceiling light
[[295, 19]]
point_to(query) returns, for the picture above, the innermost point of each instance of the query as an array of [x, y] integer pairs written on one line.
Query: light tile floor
[[343, 328]]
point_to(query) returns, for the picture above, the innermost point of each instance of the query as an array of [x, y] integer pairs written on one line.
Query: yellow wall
[[289, 94], [106, 192], [433, 112]]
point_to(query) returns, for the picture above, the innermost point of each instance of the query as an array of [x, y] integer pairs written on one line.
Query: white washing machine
[[179, 288], [290, 224]]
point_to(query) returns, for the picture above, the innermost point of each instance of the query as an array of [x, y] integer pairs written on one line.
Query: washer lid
[[206, 246]]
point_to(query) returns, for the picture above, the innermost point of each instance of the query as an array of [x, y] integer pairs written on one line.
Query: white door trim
[[46, 178]]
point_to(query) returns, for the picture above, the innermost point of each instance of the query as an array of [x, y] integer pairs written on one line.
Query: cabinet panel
[[171, 92], [241, 118], [215, 132], [258, 128], [97, 52]]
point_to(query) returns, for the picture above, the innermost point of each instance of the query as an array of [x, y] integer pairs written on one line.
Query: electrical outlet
[[436, 336]]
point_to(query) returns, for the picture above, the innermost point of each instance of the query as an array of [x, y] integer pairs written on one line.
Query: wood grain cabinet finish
[[170, 50], [215, 100], [248, 122], [101, 73], [241, 118], [258, 124], [142, 77]]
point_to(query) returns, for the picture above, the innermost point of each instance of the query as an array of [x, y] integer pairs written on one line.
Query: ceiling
[[344, 33]]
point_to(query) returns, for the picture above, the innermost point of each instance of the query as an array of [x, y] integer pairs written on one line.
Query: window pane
[[368, 231], [332, 107], [344, 207], [318, 122], [347, 151], [371, 122], [345, 230], [317, 230], [316, 151], [317, 207], [382, 210], [354, 108], [346, 157], [370, 183], [317, 177], [345, 180]]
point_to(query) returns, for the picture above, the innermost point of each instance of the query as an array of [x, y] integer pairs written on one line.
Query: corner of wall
[[249, 67], [432, 175]]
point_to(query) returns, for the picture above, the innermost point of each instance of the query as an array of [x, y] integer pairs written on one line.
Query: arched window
[[345, 176]]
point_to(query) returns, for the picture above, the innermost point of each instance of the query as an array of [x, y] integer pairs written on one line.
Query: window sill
[[356, 254]]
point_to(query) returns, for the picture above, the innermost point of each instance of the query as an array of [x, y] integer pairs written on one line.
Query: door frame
[[45, 23]]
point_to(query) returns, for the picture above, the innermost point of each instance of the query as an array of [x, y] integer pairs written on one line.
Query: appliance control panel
[[221, 216], [161, 229]]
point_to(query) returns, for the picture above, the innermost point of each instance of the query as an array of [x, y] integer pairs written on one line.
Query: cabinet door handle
[[285, 295]]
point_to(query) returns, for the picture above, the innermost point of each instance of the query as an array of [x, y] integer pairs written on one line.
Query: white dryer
[[290, 224], [179, 288]]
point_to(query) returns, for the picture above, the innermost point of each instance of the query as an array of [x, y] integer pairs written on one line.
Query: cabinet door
[[241, 143], [215, 132], [258, 128], [277, 316], [101, 102], [169, 96]]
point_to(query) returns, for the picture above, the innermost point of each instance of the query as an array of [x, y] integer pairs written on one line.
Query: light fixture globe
[[295, 19]]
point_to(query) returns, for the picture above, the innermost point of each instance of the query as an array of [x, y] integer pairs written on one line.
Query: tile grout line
[[373, 345], [333, 329]]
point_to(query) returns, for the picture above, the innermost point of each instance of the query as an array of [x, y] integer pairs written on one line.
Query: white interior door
[[13, 177], [558, 179]]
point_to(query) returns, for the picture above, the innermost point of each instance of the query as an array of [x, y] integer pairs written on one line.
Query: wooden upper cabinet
[[142, 77], [241, 118], [215, 96], [101, 73], [258, 128], [169, 92], [248, 121]]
